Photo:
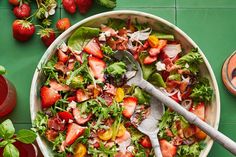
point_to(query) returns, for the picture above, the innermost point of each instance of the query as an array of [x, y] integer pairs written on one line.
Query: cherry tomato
[[153, 41], [120, 94], [80, 150], [121, 130], [105, 135]]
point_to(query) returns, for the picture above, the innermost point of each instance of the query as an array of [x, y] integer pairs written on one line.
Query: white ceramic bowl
[[157, 23]]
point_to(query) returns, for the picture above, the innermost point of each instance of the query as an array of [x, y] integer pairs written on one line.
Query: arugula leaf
[[50, 71], [190, 61], [58, 141], [147, 69], [102, 151], [10, 151], [202, 91], [107, 50], [116, 23], [26, 136], [193, 150], [107, 3], [81, 37], [40, 123], [7, 129], [116, 69]]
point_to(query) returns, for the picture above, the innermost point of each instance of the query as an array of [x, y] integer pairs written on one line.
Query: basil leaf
[[26, 136], [10, 151], [7, 129], [3, 143], [2, 70], [81, 37]]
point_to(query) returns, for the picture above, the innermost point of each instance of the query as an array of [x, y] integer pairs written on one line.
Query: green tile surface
[[206, 3], [210, 23]]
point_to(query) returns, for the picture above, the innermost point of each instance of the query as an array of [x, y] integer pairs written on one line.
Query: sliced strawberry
[[94, 49], [64, 115], [73, 132], [62, 57], [167, 149], [199, 110], [126, 154], [60, 66], [97, 66], [57, 86], [149, 60], [154, 52], [81, 96], [71, 98], [79, 118], [129, 104], [145, 142], [48, 96]]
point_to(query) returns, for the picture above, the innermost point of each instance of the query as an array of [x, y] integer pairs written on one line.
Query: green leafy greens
[[107, 3]]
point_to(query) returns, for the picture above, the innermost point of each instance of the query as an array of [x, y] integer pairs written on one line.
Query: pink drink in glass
[[7, 96]]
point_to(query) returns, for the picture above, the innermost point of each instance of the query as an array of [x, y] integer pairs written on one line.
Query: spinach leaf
[[147, 69], [81, 37]]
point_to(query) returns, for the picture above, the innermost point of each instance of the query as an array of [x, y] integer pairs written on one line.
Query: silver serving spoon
[[137, 79], [149, 125]]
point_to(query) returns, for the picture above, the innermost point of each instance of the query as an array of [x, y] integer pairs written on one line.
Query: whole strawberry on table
[[89, 110]]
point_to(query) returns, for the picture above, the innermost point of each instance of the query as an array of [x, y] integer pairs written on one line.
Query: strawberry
[[199, 110], [167, 149], [84, 5], [129, 104], [73, 132], [149, 60], [47, 36], [62, 57], [69, 6], [48, 96], [64, 115], [71, 98], [153, 52], [58, 86], [79, 118], [122, 154], [22, 30], [145, 142], [81, 95], [14, 2], [93, 48], [63, 24], [97, 66], [22, 11]]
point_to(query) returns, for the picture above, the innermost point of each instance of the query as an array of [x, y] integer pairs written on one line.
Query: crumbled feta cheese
[[107, 33], [186, 65], [160, 66], [63, 47], [71, 105], [102, 37], [130, 149]]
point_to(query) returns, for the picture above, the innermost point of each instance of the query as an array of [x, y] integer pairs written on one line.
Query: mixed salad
[[89, 110]]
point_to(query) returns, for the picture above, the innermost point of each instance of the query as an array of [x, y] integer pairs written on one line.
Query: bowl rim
[[131, 12]]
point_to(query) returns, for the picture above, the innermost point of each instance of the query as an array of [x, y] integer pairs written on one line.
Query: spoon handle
[[192, 118], [155, 145]]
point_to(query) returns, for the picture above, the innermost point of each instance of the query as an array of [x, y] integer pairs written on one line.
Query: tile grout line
[[176, 12]]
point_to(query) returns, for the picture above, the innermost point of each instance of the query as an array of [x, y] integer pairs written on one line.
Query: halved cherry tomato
[[105, 135], [153, 41], [80, 150], [200, 134], [121, 130], [120, 94]]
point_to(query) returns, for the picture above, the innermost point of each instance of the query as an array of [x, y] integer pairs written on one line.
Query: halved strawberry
[[126, 154], [167, 149], [93, 48], [145, 142], [48, 96], [97, 66], [149, 60], [79, 117], [129, 104], [62, 57], [73, 132], [81, 96], [64, 115], [199, 110]]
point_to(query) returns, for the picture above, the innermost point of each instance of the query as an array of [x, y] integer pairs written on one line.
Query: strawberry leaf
[[81, 37]]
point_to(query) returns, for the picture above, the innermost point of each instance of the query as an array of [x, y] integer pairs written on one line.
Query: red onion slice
[[172, 50], [187, 103]]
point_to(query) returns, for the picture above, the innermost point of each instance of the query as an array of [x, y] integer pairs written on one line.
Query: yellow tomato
[[120, 94], [105, 136], [121, 130], [153, 41], [80, 150]]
